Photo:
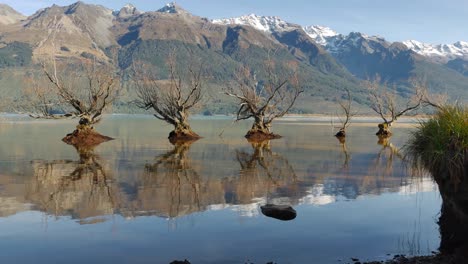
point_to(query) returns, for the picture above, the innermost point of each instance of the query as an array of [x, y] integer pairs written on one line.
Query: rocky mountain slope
[[442, 66], [9, 16], [327, 61]]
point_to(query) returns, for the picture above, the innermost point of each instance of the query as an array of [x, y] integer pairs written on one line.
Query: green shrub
[[440, 144]]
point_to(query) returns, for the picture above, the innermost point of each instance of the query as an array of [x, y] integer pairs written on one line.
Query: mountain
[[70, 31], [127, 10], [440, 52], [327, 61], [321, 35], [293, 37], [9, 16], [366, 56], [128, 35], [459, 65], [436, 52], [268, 24]]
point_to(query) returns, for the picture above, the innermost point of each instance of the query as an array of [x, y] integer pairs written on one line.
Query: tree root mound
[[256, 135], [181, 137], [384, 130], [340, 134], [383, 133], [85, 138]]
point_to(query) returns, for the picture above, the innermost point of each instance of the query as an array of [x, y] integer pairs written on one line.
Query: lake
[[140, 199]]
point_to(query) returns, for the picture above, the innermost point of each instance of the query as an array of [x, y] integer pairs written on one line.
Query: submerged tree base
[[384, 130], [85, 136], [258, 135], [183, 136], [341, 134]]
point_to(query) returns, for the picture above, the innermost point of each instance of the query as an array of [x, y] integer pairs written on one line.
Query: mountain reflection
[[263, 173], [367, 173], [81, 188], [168, 187], [195, 177]]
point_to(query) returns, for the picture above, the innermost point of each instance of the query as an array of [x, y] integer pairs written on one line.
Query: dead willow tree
[[384, 102], [171, 99], [265, 99], [345, 106], [83, 90]]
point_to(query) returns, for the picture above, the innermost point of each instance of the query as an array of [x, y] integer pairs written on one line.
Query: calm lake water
[[139, 199]]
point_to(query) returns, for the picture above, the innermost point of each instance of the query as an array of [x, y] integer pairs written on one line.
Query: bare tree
[[348, 115], [385, 104], [85, 90], [435, 100], [265, 99], [171, 99], [40, 103]]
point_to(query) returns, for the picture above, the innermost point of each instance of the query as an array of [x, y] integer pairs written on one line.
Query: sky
[[428, 21]]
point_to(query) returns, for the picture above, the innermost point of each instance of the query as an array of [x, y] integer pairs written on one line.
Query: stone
[[280, 212]]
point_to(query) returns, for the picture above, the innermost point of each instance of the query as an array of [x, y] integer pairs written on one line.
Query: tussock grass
[[440, 144]]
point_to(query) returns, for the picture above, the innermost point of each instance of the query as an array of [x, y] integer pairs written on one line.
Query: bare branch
[[171, 99], [267, 98], [88, 88]]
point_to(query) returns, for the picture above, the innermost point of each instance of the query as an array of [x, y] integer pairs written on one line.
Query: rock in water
[[281, 212], [180, 262]]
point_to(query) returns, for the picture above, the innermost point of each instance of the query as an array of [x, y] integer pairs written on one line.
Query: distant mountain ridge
[[442, 66], [327, 61], [330, 39]]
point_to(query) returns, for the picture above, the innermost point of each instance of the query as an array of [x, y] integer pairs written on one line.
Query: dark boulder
[[180, 262], [281, 212]]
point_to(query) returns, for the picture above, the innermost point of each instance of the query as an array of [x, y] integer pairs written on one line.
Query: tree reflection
[[384, 161], [169, 186], [346, 154], [264, 173], [80, 188]]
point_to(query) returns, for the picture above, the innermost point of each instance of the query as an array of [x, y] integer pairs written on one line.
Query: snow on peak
[[320, 34], [268, 24], [127, 10], [335, 42], [449, 51], [171, 8]]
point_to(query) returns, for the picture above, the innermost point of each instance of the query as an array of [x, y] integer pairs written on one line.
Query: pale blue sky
[[424, 20]]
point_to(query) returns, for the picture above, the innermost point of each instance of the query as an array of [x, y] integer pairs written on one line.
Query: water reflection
[[386, 157], [81, 188], [344, 149], [206, 188], [168, 187], [264, 173], [175, 183]]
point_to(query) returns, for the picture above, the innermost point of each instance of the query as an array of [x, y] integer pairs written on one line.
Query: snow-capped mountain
[[321, 35], [334, 42], [172, 8], [127, 10], [269, 24], [448, 51]]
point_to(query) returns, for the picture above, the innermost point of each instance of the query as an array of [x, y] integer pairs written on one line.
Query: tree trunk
[[453, 221], [85, 135], [260, 131], [182, 133], [384, 130], [341, 134]]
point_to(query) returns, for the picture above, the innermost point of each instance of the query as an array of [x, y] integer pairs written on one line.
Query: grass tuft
[[440, 144]]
